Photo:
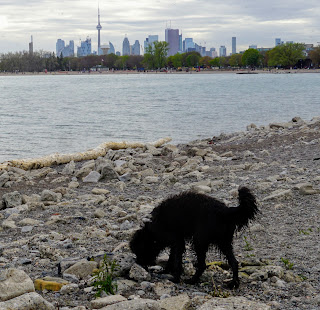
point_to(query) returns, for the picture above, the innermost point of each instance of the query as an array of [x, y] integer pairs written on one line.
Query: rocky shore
[[57, 223]]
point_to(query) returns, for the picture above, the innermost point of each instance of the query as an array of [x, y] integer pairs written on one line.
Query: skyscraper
[[59, 47], [188, 44], [111, 50], [172, 37], [234, 45], [31, 46], [125, 47], [222, 51], [85, 48], [278, 41], [99, 27], [136, 48], [149, 41]]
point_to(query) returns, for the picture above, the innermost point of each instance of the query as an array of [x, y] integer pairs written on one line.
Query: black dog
[[196, 217]]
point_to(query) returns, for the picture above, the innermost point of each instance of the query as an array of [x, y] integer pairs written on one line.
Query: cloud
[[213, 22]]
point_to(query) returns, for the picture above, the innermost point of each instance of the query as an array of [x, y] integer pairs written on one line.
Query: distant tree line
[[155, 58]]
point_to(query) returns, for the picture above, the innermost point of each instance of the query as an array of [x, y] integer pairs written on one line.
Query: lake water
[[42, 115]]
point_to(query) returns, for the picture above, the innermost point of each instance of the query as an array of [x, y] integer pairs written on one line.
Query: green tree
[[286, 55], [251, 57], [193, 59], [235, 60], [177, 60], [215, 62], [205, 61], [161, 51], [156, 55], [315, 56]]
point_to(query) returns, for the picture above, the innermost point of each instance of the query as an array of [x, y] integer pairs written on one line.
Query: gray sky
[[210, 23]]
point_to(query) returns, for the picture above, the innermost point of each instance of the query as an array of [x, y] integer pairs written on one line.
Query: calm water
[[46, 114]]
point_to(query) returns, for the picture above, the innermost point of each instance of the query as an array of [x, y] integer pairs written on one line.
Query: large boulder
[[29, 301], [13, 283]]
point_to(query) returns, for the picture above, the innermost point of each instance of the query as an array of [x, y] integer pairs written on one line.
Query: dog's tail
[[247, 209]]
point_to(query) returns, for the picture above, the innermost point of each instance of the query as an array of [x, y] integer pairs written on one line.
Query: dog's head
[[144, 247]]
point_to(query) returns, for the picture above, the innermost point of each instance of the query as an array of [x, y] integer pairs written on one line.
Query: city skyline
[[209, 24]]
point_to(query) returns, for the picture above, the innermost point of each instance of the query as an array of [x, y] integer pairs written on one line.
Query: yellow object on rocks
[[56, 159], [43, 284]]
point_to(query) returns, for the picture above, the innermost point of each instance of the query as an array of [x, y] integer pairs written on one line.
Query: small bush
[[104, 277], [287, 263]]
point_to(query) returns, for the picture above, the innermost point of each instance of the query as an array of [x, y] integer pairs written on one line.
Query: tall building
[[99, 27], [172, 37], [65, 50], [278, 41], [213, 52], [125, 47], [85, 48], [149, 41], [188, 44], [222, 51], [234, 45], [135, 50], [31, 46], [111, 50], [254, 46], [60, 45]]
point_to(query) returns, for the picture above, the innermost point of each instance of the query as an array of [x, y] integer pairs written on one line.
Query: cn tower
[[99, 27]]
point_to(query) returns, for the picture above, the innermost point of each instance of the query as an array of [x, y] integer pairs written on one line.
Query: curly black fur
[[197, 217]]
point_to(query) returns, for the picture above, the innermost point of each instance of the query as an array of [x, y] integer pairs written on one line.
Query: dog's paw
[[192, 281], [231, 284]]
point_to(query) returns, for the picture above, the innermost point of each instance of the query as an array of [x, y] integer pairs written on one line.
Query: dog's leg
[[177, 250], [169, 266], [201, 251], [228, 252]]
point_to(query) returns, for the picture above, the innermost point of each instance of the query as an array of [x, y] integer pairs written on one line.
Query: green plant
[[104, 277], [248, 246], [305, 232], [287, 263], [218, 292]]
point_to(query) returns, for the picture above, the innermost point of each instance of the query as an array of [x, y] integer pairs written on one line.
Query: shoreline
[[242, 71], [64, 214]]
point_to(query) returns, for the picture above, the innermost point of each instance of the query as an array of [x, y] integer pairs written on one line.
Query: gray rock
[[137, 304], [13, 283], [26, 229], [82, 269], [69, 289], [4, 178], [29, 301], [307, 189], [125, 261], [11, 200], [69, 168], [139, 274], [8, 224], [106, 301], [180, 302], [108, 173], [92, 177], [233, 303], [48, 195]]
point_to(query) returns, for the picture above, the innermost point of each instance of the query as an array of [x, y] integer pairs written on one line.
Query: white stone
[[136, 304], [232, 303], [29, 301], [106, 301], [13, 283]]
